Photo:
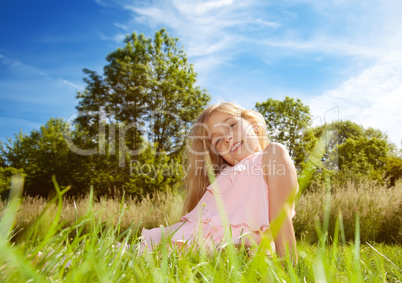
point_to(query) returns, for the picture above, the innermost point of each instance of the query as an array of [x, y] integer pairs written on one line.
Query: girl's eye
[[232, 125], [216, 143]]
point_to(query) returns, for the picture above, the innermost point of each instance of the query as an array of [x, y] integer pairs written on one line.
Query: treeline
[[129, 131]]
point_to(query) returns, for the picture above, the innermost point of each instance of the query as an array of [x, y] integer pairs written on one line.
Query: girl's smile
[[232, 137], [236, 146]]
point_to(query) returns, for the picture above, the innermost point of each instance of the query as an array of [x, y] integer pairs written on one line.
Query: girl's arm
[[281, 177]]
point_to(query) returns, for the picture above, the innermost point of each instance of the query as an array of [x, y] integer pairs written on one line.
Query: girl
[[256, 182]]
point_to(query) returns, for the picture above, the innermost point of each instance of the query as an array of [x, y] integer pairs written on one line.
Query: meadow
[[351, 234]]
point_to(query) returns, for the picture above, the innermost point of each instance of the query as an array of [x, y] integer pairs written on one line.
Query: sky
[[342, 58]]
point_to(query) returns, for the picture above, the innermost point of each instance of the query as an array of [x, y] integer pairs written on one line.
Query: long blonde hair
[[198, 150]]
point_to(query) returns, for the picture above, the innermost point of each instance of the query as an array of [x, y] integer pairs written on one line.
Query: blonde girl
[[232, 167]]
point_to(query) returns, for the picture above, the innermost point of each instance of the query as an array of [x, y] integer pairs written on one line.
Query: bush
[[153, 172], [5, 179], [393, 170]]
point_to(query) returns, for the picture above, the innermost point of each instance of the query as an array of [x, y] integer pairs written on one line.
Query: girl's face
[[232, 137]]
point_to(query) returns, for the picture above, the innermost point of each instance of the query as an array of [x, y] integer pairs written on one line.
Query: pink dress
[[241, 193]]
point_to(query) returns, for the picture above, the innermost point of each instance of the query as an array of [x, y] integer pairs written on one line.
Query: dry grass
[[147, 213], [379, 209]]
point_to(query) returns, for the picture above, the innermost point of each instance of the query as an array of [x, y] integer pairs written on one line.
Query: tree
[[393, 169], [5, 180], [363, 156], [40, 155], [152, 172], [2, 160], [147, 96], [353, 152], [147, 83], [287, 121], [334, 134]]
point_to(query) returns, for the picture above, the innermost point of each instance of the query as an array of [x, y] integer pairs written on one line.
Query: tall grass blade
[[313, 162], [11, 257], [10, 212], [356, 253], [383, 256]]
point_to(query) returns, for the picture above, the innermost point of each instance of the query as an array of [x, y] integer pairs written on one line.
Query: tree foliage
[[146, 97], [146, 84], [153, 172], [5, 179], [2, 160], [287, 122], [352, 152], [393, 170], [40, 155]]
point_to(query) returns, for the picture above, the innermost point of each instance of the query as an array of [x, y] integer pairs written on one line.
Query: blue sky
[[342, 58]]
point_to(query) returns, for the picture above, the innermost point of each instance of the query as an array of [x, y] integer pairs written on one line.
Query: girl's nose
[[227, 139]]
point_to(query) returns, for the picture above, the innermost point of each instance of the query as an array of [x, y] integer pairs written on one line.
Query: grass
[[147, 213], [379, 209], [99, 261], [79, 243]]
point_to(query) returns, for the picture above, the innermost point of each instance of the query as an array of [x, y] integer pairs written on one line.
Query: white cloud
[[200, 7], [205, 65], [351, 27], [18, 69], [372, 98], [326, 45], [70, 84], [28, 85], [118, 38], [223, 27], [101, 3], [268, 23], [205, 28], [121, 26]]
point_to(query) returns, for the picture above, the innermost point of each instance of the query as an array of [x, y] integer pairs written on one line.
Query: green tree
[[363, 156], [287, 122], [147, 83], [393, 169], [2, 160], [147, 96], [335, 134], [352, 152], [40, 155], [153, 172], [5, 179]]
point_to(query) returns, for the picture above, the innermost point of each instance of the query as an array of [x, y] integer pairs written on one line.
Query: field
[[353, 234]]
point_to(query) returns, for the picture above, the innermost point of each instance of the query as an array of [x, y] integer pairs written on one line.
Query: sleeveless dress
[[237, 201]]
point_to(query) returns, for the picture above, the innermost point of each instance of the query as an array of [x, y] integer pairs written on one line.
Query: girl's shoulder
[[274, 148], [276, 162]]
